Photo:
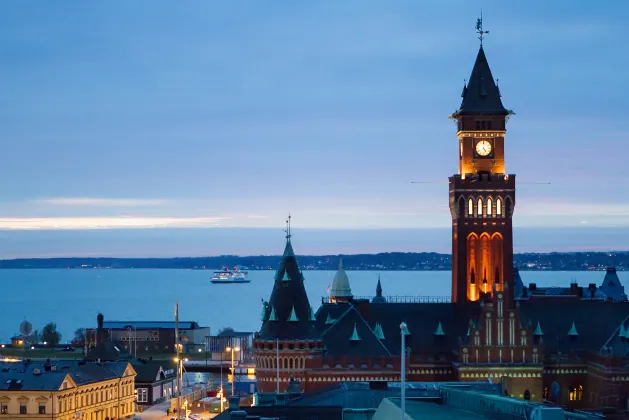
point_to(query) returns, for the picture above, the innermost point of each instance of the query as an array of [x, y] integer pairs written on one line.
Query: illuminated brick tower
[[482, 195]]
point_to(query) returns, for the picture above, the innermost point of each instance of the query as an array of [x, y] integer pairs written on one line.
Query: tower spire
[[287, 230], [479, 29]]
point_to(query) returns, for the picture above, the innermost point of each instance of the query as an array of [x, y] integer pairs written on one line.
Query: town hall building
[[563, 345]]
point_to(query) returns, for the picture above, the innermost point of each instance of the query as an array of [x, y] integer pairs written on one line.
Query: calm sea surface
[[72, 298]]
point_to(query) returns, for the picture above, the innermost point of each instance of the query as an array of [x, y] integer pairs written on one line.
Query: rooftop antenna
[[287, 230], [479, 28]]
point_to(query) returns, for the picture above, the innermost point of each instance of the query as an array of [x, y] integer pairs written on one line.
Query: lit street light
[[232, 350], [403, 371]]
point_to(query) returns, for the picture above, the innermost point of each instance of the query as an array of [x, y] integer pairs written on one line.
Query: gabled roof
[[107, 351], [597, 322], [422, 319], [612, 287], [350, 335], [481, 95], [21, 377], [289, 302], [150, 371]]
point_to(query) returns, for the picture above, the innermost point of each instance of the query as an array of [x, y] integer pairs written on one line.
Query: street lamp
[[233, 350], [403, 371]]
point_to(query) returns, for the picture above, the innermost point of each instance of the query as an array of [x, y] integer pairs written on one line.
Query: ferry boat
[[230, 276]]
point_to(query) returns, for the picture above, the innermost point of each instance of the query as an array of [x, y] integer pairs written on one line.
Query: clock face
[[483, 148]]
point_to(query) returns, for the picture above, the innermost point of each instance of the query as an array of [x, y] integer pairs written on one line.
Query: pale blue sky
[[118, 114]]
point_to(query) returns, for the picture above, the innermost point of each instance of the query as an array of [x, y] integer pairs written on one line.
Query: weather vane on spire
[[287, 230], [479, 28]]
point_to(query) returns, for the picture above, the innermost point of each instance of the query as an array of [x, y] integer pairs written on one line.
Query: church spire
[[481, 95], [288, 311]]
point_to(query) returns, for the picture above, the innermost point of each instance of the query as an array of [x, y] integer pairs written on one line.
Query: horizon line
[[303, 255]]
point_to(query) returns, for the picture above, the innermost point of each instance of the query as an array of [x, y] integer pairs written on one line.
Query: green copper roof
[[538, 330], [264, 308], [286, 277], [312, 316], [293, 316], [288, 250], [407, 331], [439, 330], [378, 331], [573, 330], [329, 320], [355, 336], [622, 331], [272, 317]]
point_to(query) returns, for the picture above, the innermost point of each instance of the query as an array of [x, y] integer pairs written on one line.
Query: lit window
[[470, 207], [143, 396], [489, 203], [498, 206], [479, 211], [576, 393]]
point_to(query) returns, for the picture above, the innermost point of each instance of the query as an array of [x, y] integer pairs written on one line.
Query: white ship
[[230, 276]]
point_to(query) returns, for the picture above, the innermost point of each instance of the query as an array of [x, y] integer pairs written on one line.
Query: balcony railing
[[400, 299]]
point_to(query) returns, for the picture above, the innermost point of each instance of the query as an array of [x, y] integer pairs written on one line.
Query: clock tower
[[482, 194]]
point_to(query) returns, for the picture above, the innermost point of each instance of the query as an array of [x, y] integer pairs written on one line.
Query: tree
[[225, 330], [79, 335], [50, 335]]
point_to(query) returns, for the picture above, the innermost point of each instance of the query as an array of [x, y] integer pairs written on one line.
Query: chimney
[[363, 307], [532, 287], [592, 289], [574, 288]]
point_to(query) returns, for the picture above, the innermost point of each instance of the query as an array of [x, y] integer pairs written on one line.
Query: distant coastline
[[390, 261]]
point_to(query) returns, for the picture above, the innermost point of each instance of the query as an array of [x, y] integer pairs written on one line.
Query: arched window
[[489, 203], [470, 207], [498, 206], [576, 393], [479, 210]]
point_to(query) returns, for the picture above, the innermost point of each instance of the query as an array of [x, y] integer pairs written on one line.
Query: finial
[[287, 230], [479, 28]]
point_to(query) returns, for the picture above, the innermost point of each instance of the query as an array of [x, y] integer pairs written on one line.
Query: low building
[[151, 337], [67, 390], [243, 341], [155, 380]]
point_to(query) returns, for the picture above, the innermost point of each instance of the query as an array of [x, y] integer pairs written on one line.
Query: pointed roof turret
[[378, 331], [481, 95], [355, 336], [273, 315], [379, 298], [406, 330], [612, 287], [293, 316], [264, 310], [622, 331], [288, 314], [329, 320], [439, 330], [573, 331], [312, 315], [538, 330], [340, 286]]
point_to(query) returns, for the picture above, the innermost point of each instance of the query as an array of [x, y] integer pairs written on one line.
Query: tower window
[[479, 210], [498, 206], [489, 125], [489, 203], [470, 207], [478, 125]]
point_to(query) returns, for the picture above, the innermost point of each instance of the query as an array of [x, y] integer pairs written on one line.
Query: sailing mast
[[179, 381]]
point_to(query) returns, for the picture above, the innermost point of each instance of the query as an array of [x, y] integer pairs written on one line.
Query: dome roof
[[340, 285]]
